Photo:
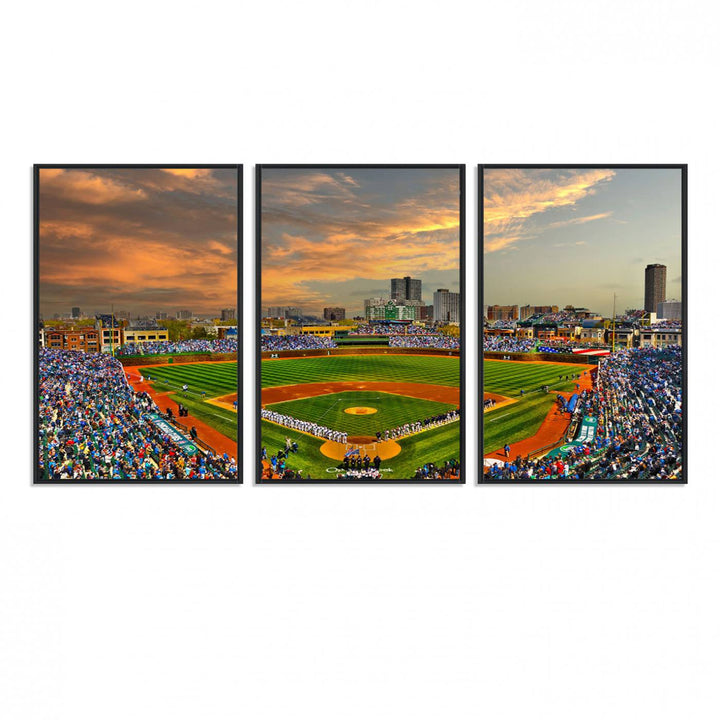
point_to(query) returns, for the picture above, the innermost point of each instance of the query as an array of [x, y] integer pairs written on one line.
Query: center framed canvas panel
[[360, 312], [136, 310], [584, 306]]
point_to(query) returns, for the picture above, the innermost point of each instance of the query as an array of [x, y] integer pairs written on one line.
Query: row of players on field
[[322, 431], [637, 400]]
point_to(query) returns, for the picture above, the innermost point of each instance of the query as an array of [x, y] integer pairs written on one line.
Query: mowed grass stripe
[[213, 378], [392, 411], [357, 368], [508, 378], [515, 422]]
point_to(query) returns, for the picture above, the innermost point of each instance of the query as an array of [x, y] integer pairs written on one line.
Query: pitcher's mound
[[336, 451], [360, 410]]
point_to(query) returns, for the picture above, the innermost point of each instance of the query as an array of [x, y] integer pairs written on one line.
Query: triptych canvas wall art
[[360, 325]]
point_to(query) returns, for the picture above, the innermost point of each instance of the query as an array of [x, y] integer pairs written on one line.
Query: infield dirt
[[438, 393]]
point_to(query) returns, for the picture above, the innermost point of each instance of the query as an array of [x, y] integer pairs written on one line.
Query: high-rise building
[[183, 315], [405, 288], [227, 314], [669, 310], [373, 302], [75, 312], [283, 311], [655, 279], [424, 313], [502, 312], [334, 313], [161, 316], [446, 306]]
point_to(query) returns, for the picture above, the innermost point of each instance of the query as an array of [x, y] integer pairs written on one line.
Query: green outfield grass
[[521, 420], [392, 411], [213, 378], [430, 370], [436, 445]]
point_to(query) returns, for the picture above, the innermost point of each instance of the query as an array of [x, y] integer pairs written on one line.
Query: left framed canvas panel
[[137, 312]]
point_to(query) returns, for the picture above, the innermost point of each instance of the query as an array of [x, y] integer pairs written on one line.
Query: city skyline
[[336, 237], [142, 239], [578, 236]]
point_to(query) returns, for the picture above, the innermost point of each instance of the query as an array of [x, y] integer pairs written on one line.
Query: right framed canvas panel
[[584, 323]]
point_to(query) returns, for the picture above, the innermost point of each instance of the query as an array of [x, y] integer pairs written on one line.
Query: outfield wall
[[544, 357], [325, 352], [173, 359]]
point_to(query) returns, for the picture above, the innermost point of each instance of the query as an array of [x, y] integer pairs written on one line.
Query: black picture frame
[[37, 480], [258, 317], [683, 167]]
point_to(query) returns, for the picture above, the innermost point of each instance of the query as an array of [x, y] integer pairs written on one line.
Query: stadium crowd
[[449, 470], [504, 343], [227, 345], [438, 340], [92, 425], [637, 401], [274, 343]]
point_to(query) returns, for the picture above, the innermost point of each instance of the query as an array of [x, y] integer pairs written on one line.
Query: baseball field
[[361, 395], [519, 417], [212, 388]]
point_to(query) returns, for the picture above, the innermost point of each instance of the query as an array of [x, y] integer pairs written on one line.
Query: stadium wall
[[179, 358], [543, 357], [320, 352]]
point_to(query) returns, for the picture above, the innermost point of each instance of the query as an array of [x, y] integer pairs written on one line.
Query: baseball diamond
[[383, 405]]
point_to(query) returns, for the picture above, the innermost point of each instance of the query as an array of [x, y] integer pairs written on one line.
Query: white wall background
[[358, 602]]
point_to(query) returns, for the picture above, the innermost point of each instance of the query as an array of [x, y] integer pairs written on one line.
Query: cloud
[[330, 229], [89, 187], [157, 240], [514, 198]]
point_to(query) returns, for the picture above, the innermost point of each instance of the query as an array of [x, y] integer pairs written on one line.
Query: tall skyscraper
[[405, 288], [446, 306], [227, 314], [75, 312], [334, 313], [655, 277]]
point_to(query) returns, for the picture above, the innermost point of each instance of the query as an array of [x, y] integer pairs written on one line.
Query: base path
[[225, 402], [438, 393], [219, 442]]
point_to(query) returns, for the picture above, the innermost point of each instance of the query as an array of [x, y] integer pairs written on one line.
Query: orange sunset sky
[[143, 240], [332, 237]]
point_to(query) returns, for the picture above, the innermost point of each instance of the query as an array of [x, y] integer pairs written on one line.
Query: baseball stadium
[[368, 402], [571, 410], [165, 411]]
